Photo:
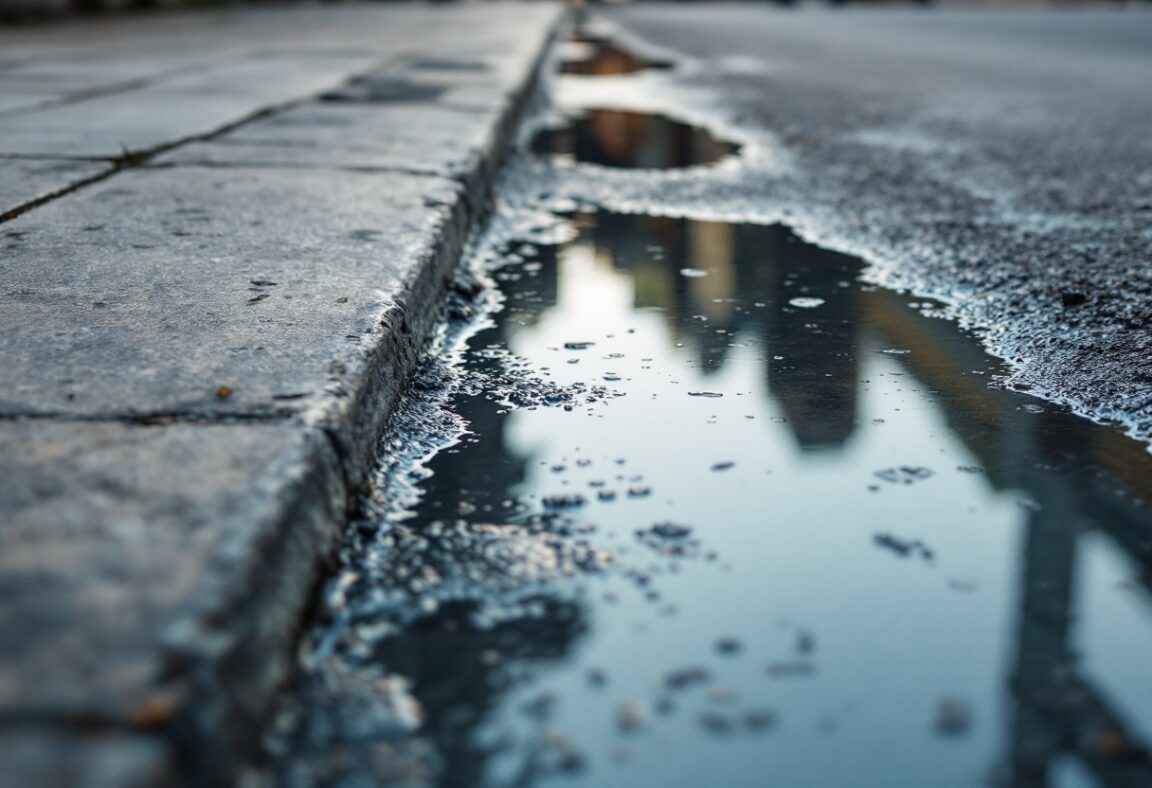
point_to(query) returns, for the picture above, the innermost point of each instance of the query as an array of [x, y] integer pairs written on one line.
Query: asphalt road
[[999, 160]]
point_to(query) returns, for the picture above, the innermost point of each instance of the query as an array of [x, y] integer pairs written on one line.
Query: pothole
[[798, 498], [632, 140], [798, 461], [596, 56]]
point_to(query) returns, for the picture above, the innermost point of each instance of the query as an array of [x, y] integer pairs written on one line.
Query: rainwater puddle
[[633, 140], [595, 56], [747, 541]]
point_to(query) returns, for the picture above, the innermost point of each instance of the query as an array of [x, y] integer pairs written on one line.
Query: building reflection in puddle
[[632, 140], [596, 56], [861, 486]]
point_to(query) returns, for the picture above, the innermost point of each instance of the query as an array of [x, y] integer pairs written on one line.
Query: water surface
[[726, 516], [631, 140]]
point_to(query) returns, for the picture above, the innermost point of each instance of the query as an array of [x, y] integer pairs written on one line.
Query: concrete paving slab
[[137, 562], [20, 97], [148, 83], [200, 354], [204, 294], [176, 109], [421, 137], [23, 181], [146, 294]]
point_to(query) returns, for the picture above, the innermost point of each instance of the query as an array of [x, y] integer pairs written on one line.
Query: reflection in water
[[595, 56], [636, 140], [877, 573]]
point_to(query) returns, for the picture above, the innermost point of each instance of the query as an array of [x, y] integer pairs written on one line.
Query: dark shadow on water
[[632, 140]]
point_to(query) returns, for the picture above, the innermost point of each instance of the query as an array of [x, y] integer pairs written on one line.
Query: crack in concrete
[[53, 157], [304, 165], [101, 91], [157, 418], [138, 158]]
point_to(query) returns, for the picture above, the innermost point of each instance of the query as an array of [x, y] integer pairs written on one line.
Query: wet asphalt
[[682, 498], [997, 159]]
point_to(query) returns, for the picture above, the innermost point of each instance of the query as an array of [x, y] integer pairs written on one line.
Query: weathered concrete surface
[[145, 294], [104, 89], [424, 137], [996, 159], [150, 573], [23, 181], [199, 355]]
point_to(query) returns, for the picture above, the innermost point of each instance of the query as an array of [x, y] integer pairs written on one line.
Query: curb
[[225, 648], [227, 711]]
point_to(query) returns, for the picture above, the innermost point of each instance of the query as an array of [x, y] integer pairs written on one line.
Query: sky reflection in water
[[896, 575]]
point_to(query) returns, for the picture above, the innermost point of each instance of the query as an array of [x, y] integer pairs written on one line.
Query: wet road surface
[[690, 502], [994, 158], [796, 534]]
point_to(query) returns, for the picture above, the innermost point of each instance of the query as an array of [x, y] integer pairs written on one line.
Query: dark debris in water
[[563, 501], [904, 547], [904, 474], [684, 678], [670, 539], [953, 717]]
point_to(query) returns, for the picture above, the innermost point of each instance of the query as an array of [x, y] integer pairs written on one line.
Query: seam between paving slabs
[[271, 165], [233, 680], [112, 89], [137, 158]]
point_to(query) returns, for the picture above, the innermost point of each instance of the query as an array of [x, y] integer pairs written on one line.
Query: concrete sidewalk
[[225, 239]]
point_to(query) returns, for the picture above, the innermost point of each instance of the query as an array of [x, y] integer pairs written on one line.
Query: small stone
[[631, 716]]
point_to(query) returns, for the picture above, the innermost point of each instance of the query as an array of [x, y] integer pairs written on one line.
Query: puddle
[[760, 523], [595, 56], [633, 140]]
